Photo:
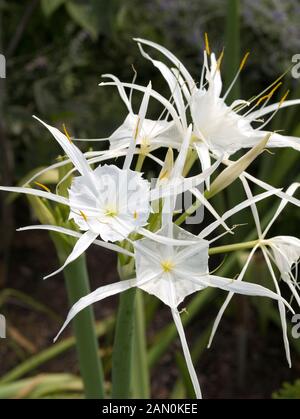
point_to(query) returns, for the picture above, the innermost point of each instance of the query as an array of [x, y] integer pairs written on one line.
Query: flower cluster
[[120, 209]]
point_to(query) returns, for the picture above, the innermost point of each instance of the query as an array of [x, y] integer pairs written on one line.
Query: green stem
[[232, 247], [123, 346], [123, 343], [140, 372], [232, 48], [77, 284]]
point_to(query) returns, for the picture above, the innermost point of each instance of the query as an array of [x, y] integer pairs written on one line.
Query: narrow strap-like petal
[[267, 187], [101, 293], [121, 90], [165, 240], [204, 157], [172, 83], [166, 104], [70, 149], [188, 78], [182, 185], [73, 233], [186, 352], [97, 295], [210, 208], [229, 297], [239, 287], [271, 108], [252, 206], [80, 247], [137, 130], [36, 192], [290, 191], [281, 309], [209, 229]]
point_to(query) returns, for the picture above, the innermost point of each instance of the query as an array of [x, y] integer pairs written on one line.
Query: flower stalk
[[77, 284], [123, 343]]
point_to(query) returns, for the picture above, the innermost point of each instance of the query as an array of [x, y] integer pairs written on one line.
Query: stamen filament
[[66, 133], [41, 185]]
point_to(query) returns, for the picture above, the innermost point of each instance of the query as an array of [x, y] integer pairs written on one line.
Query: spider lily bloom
[[171, 273], [285, 253], [220, 128], [154, 133], [106, 202]]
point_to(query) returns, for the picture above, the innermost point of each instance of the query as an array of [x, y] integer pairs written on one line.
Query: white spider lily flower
[[285, 253], [154, 133], [171, 272], [119, 206], [108, 202], [220, 128], [151, 134]]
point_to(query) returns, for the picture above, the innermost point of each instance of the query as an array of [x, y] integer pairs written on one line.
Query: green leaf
[[94, 16], [50, 6]]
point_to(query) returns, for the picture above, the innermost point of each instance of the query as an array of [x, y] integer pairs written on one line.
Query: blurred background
[[55, 54]]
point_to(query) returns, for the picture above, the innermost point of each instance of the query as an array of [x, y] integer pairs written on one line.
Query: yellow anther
[[42, 186], [219, 61], [135, 215], [167, 265], [283, 98], [66, 133], [269, 95], [207, 48], [275, 88], [243, 62], [83, 215]]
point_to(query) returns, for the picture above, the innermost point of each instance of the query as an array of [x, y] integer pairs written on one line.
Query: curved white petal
[[179, 186], [97, 295], [36, 192], [204, 157], [271, 108], [252, 206], [290, 191], [240, 287], [165, 240], [172, 83], [173, 59], [210, 208], [209, 229], [186, 351], [80, 247], [70, 149], [229, 297], [154, 94], [138, 127], [280, 307], [121, 90], [73, 233], [268, 187]]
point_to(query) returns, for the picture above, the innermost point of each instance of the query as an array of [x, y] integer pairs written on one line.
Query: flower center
[[167, 265], [111, 212]]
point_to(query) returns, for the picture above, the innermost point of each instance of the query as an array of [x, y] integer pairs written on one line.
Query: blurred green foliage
[[288, 391]]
